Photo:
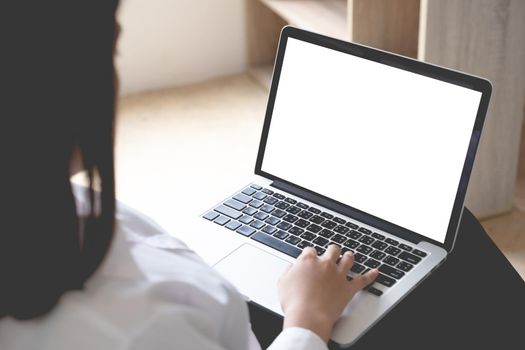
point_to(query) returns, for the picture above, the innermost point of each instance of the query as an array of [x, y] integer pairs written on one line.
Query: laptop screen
[[380, 139]]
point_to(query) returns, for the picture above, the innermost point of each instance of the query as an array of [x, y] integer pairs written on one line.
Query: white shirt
[[151, 292]]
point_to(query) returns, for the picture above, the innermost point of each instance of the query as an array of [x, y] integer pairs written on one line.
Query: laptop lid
[[385, 139]]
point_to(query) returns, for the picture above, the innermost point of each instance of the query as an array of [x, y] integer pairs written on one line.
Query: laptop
[[361, 148]]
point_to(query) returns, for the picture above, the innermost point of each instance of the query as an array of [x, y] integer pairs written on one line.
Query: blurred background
[[195, 77]]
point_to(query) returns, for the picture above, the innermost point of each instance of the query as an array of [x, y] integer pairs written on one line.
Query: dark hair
[[61, 98]]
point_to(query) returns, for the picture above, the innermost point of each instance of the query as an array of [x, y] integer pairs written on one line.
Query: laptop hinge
[[346, 211]]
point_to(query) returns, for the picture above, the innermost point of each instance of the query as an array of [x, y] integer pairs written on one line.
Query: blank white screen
[[380, 139]]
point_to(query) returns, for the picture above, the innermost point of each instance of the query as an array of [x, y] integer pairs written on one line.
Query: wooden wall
[[486, 38]]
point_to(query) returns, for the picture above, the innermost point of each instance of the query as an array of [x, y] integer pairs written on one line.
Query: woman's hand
[[314, 291]]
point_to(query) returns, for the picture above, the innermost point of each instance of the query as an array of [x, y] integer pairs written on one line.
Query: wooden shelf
[[324, 16], [262, 74]]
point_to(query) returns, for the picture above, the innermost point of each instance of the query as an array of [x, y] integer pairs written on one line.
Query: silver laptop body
[[361, 148]]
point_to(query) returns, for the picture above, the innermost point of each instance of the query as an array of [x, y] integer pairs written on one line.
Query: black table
[[475, 300]]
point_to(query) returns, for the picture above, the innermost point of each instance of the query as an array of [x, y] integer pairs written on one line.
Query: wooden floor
[[179, 148]]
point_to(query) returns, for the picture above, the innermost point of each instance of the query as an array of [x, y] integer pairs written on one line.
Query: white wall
[[167, 43]]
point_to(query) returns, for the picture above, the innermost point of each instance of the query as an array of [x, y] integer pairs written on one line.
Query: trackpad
[[255, 274]]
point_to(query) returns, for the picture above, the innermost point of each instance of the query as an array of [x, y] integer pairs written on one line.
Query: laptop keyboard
[[289, 226]]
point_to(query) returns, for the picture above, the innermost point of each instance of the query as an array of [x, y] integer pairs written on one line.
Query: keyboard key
[[360, 258], [378, 255], [419, 253], [267, 191], [232, 203], [302, 205], [282, 205], [351, 225], [351, 244], [305, 244], [281, 234], [341, 229], [329, 224], [261, 215], [267, 208], [317, 219], [249, 211], [211, 215], [293, 240], [390, 271], [272, 220], [372, 263], [411, 258], [385, 280], [375, 291], [296, 231], [364, 249], [403, 265], [232, 213], [277, 244], [256, 204], [233, 225], [339, 238], [242, 198], [391, 241], [392, 250], [390, 260], [332, 243], [271, 200], [378, 236], [327, 215], [269, 230], [247, 231], [326, 233], [366, 240], [354, 234], [308, 236], [302, 223], [314, 228], [314, 210], [290, 200], [294, 210], [320, 241], [279, 196], [257, 224], [246, 219], [283, 225], [290, 218], [357, 268], [257, 187], [405, 247], [278, 213], [305, 214], [248, 191], [221, 220], [379, 245], [320, 251], [339, 221], [260, 196], [365, 231]]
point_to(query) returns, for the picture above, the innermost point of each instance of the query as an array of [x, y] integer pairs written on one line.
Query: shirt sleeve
[[298, 338]]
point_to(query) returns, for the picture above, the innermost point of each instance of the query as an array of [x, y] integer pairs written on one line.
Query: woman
[[80, 272]]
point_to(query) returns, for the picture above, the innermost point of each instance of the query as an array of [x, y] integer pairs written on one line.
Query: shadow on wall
[[166, 43]]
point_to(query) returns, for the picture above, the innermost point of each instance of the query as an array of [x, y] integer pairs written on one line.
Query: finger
[[346, 262], [362, 281], [332, 253], [307, 253]]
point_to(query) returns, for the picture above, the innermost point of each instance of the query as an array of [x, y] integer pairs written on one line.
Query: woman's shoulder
[[149, 285]]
